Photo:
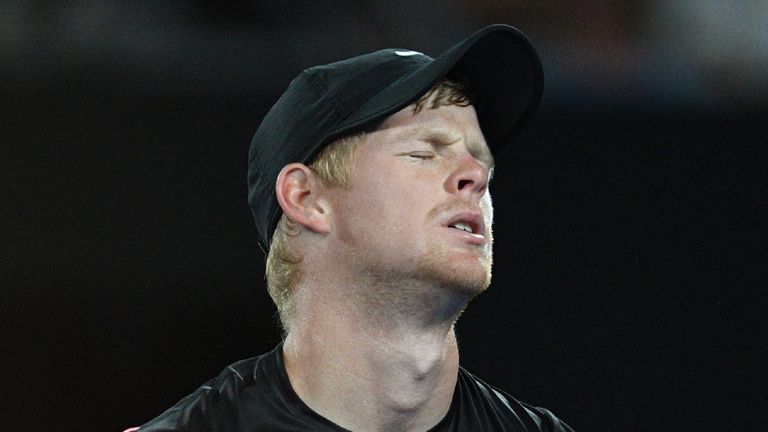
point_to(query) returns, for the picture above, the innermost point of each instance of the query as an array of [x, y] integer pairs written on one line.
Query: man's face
[[418, 206]]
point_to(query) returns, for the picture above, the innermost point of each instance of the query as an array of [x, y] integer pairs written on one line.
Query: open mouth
[[463, 226], [470, 222]]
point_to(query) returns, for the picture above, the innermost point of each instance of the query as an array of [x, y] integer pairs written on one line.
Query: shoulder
[[511, 411], [212, 406]]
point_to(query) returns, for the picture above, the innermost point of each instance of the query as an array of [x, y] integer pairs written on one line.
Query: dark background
[[630, 233]]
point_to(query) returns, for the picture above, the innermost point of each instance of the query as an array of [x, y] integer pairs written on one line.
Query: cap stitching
[[321, 89]]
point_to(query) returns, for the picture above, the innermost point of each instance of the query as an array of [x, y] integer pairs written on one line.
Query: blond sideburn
[[333, 166]]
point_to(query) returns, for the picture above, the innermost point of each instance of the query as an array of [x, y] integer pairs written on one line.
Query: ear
[[299, 192]]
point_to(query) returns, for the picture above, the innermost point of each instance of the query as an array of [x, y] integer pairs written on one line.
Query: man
[[368, 181]]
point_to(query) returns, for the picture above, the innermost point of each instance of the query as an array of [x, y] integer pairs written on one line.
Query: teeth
[[463, 226]]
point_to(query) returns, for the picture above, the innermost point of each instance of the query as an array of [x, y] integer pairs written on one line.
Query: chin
[[468, 275]]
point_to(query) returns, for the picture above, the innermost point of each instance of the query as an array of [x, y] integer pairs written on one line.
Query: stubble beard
[[464, 276], [438, 285], [440, 279]]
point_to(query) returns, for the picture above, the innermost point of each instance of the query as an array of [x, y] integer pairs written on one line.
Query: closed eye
[[421, 155]]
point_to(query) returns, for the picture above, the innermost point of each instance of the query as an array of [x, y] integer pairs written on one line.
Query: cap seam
[[321, 90]]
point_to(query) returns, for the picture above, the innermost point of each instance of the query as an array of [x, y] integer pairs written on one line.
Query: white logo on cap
[[407, 53]]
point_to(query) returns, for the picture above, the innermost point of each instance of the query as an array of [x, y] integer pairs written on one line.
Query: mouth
[[470, 224]]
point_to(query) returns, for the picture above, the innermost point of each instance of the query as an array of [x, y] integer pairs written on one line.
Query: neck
[[373, 367]]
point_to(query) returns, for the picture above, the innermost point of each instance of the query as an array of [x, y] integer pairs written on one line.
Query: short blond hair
[[333, 166]]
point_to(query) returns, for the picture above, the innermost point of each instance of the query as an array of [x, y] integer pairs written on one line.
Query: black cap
[[498, 64]]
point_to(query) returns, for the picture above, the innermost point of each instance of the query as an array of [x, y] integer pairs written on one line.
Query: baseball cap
[[498, 64]]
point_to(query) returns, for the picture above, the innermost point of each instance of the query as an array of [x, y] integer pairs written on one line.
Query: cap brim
[[501, 68]]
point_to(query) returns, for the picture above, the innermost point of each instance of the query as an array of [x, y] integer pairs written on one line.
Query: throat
[[403, 383]]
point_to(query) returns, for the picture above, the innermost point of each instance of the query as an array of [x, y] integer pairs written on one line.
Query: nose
[[470, 178]]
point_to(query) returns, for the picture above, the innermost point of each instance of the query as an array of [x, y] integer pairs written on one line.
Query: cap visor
[[499, 65]]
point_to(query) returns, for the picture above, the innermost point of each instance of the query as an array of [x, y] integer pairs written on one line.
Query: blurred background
[[628, 293]]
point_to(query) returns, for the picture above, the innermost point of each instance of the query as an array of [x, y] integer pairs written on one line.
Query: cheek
[[397, 214], [367, 211], [395, 203]]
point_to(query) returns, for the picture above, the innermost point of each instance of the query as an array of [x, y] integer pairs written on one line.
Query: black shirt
[[256, 395]]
